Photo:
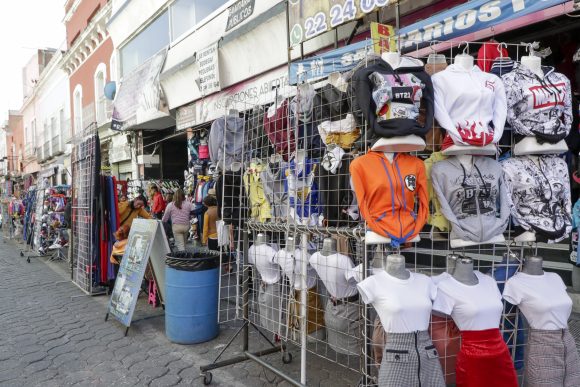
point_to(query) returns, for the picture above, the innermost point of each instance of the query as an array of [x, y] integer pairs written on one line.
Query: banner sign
[[144, 236], [382, 37], [461, 20], [239, 12], [209, 70], [139, 98], [470, 17], [243, 96], [310, 18]]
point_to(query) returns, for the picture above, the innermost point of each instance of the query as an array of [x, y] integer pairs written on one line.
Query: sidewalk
[[54, 335]]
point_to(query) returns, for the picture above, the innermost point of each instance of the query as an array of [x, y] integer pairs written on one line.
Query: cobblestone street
[[53, 335]]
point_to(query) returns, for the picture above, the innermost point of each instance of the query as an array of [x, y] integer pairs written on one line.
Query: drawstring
[[485, 188]]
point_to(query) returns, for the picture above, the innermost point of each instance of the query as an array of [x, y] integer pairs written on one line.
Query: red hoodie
[[388, 194]]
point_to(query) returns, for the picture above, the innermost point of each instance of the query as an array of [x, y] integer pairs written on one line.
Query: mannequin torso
[[261, 239], [463, 272], [531, 146], [533, 266], [464, 60], [328, 247], [534, 64], [396, 267]]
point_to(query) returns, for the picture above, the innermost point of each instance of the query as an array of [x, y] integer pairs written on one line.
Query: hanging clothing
[[470, 105], [259, 206], [226, 141], [487, 53], [278, 130], [540, 107], [272, 177], [539, 195], [302, 189], [336, 194], [390, 98], [436, 218], [392, 196], [474, 200]]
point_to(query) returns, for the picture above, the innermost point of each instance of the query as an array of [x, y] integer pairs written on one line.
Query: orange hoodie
[[388, 194]]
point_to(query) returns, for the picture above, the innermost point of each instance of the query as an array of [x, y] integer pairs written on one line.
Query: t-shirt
[[541, 298], [472, 307], [262, 257], [291, 265], [333, 271], [403, 306]]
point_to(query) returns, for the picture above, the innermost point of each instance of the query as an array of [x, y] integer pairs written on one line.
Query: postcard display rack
[[85, 160], [268, 200]]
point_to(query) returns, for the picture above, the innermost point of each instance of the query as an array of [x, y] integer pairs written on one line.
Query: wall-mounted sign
[[239, 12], [253, 92], [310, 18], [209, 70]]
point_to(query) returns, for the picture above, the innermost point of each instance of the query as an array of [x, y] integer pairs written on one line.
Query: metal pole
[[398, 25], [304, 300], [245, 290]]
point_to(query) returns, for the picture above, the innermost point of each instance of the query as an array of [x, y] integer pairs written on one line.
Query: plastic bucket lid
[[193, 260]]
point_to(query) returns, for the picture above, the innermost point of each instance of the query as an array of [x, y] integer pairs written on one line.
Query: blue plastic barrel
[[191, 297]]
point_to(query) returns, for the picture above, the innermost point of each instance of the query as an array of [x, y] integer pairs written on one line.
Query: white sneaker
[[56, 245]]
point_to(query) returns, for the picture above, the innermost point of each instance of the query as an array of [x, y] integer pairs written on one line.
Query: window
[[78, 109], [204, 8], [113, 67], [100, 93], [62, 125], [182, 17], [187, 13], [143, 46]]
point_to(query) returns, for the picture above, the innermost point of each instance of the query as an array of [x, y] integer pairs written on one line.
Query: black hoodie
[[390, 99]]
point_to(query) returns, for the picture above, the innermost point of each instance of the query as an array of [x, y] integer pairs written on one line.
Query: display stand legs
[[245, 331]]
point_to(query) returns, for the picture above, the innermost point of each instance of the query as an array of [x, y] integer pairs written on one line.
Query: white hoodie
[[470, 105]]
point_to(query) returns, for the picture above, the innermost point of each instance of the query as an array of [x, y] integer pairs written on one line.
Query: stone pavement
[[51, 334]]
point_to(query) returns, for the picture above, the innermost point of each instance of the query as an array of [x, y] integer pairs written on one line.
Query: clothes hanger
[[434, 57], [500, 48]]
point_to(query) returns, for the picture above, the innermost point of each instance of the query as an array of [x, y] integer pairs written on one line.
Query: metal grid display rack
[[294, 312], [85, 160]]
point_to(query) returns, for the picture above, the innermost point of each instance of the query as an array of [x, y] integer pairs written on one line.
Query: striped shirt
[[178, 216]]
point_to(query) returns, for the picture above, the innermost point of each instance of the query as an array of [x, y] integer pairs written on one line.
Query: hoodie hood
[[473, 198], [539, 106], [408, 63]]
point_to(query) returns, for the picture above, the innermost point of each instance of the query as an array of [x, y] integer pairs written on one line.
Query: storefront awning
[[139, 103], [453, 24]]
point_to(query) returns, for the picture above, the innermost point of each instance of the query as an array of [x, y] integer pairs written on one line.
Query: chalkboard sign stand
[[147, 243]]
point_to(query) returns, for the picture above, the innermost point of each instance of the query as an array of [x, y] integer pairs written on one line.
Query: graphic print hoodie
[[470, 105], [474, 200], [390, 99], [539, 195], [392, 197], [540, 107]]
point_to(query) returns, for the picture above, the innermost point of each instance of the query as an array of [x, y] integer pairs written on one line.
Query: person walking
[[179, 212], [158, 203]]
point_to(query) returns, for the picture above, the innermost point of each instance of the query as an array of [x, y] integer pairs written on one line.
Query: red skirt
[[484, 361]]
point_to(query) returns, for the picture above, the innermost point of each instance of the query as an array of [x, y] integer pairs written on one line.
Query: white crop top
[[541, 298], [472, 307], [403, 305]]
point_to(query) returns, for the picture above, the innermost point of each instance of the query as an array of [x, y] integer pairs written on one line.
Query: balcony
[[57, 147], [40, 154], [104, 110], [30, 150], [46, 151]]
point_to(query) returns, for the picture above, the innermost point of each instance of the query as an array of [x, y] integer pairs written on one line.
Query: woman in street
[[179, 212]]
